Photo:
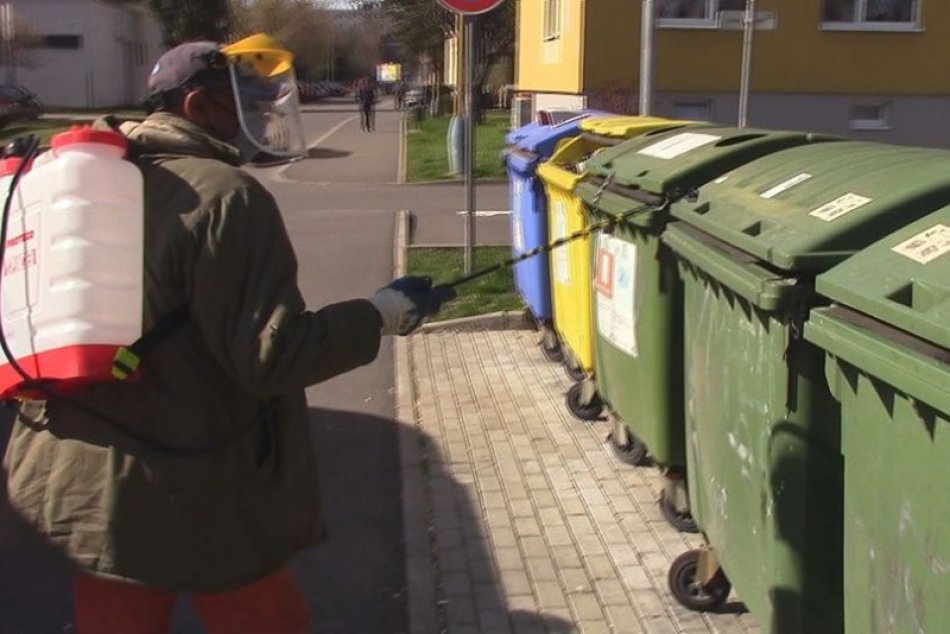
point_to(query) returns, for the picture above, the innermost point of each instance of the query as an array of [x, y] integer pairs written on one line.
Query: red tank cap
[[10, 165], [86, 134]]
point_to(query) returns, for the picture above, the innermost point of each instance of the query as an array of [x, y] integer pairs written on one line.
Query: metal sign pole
[[646, 57], [469, 141], [748, 32]]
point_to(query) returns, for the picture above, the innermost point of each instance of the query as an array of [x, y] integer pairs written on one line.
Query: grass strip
[[489, 294], [427, 156]]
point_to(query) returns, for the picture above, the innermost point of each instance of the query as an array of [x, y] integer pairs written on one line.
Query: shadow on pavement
[[356, 582], [468, 576], [326, 153]]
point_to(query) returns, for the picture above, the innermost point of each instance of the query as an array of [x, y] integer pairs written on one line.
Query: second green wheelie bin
[[637, 306], [887, 345], [763, 448], [570, 264]]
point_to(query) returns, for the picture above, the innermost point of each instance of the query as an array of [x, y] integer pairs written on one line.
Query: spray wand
[[605, 225]]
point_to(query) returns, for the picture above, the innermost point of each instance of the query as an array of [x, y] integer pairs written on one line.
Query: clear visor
[[268, 106]]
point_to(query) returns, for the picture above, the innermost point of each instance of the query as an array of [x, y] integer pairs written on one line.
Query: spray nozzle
[[18, 146]]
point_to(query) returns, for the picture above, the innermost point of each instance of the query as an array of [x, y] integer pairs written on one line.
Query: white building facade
[[90, 54]]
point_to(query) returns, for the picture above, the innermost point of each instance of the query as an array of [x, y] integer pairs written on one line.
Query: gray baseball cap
[[192, 62]]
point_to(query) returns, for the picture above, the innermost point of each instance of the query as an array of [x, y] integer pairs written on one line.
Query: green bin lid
[[902, 280], [808, 208], [673, 163]]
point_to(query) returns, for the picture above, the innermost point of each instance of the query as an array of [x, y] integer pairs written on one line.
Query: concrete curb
[[505, 320], [460, 180], [420, 575], [401, 169]]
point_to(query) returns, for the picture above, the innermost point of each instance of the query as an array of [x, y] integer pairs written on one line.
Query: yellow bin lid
[[627, 127]]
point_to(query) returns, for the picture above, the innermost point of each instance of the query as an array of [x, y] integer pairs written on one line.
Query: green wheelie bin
[[887, 345], [763, 451], [637, 290]]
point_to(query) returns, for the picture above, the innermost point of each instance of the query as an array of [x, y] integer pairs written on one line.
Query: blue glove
[[406, 302]]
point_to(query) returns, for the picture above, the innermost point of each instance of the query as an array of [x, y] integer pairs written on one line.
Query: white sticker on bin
[[927, 245], [786, 185], [615, 283], [839, 207], [679, 145]]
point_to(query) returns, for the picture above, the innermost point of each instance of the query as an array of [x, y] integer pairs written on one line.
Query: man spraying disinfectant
[[195, 475]]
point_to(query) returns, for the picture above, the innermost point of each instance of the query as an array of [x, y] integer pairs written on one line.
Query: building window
[[552, 20], [61, 41], [694, 13], [870, 116], [871, 14]]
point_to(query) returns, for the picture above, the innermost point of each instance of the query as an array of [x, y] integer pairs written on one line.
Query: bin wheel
[[632, 452], [680, 520], [689, 591], [529, 319], [551, 347], [575, 372], [585, 412]]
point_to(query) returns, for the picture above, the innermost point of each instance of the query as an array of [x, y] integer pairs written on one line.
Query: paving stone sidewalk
[[535, 526]]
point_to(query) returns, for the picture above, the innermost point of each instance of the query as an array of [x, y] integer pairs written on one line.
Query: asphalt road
[[339, 206]]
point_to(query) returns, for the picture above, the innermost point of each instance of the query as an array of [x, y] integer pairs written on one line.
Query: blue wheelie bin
[[528, 146]]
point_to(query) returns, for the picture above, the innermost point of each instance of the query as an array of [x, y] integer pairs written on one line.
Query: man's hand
[[406, 302]]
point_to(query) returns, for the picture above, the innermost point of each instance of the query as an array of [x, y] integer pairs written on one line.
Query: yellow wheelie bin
[[570, 264]]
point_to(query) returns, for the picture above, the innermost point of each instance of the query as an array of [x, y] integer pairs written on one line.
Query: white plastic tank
[[71, 291]]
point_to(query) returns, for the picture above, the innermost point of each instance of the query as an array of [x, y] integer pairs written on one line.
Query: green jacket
[[223, 489]]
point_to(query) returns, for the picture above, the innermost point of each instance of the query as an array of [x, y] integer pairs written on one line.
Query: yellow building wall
[[550, 66], [613, 43], [601, 47], [800, 57]]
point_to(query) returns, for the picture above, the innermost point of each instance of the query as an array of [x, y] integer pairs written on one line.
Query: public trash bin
[[527, 147], [637, 292], [887, 345], [570, 264], [764, 464]]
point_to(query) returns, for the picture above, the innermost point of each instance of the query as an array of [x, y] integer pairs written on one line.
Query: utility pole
[[748, 31], [648, 28]]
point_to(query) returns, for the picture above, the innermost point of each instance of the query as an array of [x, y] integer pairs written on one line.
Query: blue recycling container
[[528, 146]]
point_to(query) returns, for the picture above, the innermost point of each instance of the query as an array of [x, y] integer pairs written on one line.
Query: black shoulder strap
[[128, 358]]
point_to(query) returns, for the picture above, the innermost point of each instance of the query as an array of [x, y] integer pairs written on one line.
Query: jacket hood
[[164, 134]]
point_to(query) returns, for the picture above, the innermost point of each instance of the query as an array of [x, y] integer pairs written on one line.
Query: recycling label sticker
[[926, 246], [615, 281], [517, 230], [772, 192], [678, 145], [561, 255], [839, 207]]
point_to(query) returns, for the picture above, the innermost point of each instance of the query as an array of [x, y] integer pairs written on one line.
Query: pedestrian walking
[[400, 95], [198, 476], [366, 97]]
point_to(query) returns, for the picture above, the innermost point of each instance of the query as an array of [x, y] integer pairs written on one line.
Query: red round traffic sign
[[470, 7]]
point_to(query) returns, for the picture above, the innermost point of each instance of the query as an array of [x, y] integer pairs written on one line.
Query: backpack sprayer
[[67, 313]]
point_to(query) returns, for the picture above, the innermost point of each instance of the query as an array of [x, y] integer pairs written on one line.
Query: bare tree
[[301, 26], [186, 20], [18, 40]]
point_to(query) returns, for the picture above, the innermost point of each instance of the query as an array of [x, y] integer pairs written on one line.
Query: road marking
[[486, 213], [280, 176]]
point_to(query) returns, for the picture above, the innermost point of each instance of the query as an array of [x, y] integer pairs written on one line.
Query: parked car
[[415, 96], [18, 104]]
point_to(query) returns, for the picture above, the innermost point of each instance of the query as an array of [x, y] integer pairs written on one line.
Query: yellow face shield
[[265, 92]]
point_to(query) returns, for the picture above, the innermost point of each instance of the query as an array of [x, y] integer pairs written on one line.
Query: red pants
[[270, 605]]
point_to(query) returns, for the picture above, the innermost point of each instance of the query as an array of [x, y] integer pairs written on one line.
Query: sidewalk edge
[[505, 320], [420, 580]]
